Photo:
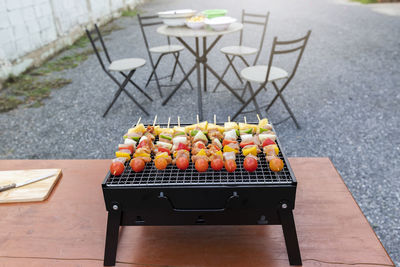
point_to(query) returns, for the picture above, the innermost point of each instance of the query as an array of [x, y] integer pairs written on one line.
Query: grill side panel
[[200, 205]]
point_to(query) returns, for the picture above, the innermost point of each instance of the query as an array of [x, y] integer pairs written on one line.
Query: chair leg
[[155, 75], [137, 103], [152, 72], [244, 89], [112, 102], [137, 86], [249, 100], [279, 92], [120, 89], [230, 64], [272, 102], [140, 90], [176, 63], [184, 72], [223, 75], [179, 85], [244, 61], [237, 73], [254, 99]]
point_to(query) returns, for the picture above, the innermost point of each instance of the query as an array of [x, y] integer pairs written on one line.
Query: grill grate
[[172, 176]]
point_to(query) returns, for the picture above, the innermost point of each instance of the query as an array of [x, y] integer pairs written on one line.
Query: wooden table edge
[[358, 206]]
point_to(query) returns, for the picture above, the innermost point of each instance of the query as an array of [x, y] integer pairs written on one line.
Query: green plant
[[129, 13], [366, 1]]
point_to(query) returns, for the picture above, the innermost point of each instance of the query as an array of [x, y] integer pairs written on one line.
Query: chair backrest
[[93, 38], [147, 21], [299, 45], [255, 19]]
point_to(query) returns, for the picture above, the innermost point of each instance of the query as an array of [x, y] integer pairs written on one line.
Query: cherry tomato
[[268, 142], [182, 163], [117, 168], [137, 165], [230, 165], [276, 165], [201, 165], [160, 163], [250, 164], [217, 164]]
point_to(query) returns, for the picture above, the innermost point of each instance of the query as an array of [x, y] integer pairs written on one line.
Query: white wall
[[33, 30]]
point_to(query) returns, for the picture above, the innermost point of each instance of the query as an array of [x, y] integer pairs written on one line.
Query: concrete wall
[[33, 30]]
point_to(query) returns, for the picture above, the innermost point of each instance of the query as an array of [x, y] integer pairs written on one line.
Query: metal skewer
[[179, 121], [245, 120], [215, 119], [198, 122]]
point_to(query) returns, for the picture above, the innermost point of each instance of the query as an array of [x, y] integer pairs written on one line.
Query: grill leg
[[289, 231], [113, 223]]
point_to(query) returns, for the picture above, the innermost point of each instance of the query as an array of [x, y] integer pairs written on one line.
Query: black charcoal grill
[[175, 197]]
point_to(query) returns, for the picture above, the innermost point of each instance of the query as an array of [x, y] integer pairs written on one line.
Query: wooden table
[[69, 228]]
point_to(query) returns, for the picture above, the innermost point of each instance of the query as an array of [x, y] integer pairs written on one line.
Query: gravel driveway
[[345, 95]]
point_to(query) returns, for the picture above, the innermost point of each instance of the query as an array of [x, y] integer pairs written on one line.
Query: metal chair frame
[[128, 77], [143, 24], [250, 20], [276, 51]]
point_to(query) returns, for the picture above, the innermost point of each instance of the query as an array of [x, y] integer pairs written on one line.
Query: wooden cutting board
[[37, 191]]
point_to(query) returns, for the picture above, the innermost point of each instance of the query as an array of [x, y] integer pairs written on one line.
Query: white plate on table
[[220, 23], [176, 17], [179, 13]]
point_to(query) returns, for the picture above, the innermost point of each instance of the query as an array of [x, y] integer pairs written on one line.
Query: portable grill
[[187, 197]]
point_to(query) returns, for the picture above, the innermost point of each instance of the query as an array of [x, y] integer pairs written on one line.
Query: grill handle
[[233, 197]]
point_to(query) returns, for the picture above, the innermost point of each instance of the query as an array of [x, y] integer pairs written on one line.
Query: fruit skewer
[[142, 155], [249, 145], [162, 149], [124, 152], [199, 147], [215, 134], [230, 145], [270, 148], [181, 147]]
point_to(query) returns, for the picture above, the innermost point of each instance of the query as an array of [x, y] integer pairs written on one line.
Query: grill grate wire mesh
[[172, 176]]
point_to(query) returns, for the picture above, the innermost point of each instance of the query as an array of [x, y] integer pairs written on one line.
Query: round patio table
[[182, 32]]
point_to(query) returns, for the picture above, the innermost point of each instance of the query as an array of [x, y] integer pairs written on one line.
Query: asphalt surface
[[345, 95]]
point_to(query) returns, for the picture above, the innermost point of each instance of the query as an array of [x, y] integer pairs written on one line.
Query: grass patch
[[129, 13], [80, 43], [366, 1], [9, 103], [30, 88], [65, 62]]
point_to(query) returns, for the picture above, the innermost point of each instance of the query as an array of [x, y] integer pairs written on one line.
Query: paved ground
[[345, 95]]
